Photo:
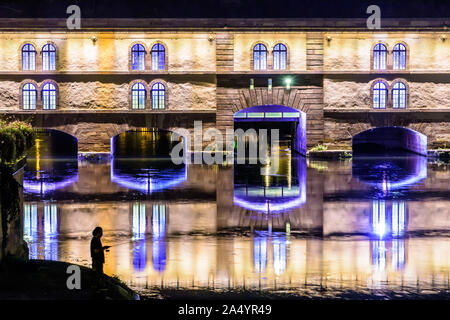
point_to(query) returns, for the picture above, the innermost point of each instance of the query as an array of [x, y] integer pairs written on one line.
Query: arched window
[[379, 57], [48, 57], [158, 96], [138, 57], [380, 93], [260, 57], [138, 95], [279, 57], [158, 57], [399, 53], [28, 57], [49, 96], [399, 95], [29, 94]]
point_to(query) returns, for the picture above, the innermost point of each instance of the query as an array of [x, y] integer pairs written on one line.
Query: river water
[[314, 228]]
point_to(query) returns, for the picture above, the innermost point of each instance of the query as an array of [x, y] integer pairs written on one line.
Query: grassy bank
[[46, 280]]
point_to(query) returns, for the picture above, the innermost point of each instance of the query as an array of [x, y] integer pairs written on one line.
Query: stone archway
[[389, 140]]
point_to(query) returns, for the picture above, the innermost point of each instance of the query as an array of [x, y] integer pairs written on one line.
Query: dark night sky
[[226, 8]]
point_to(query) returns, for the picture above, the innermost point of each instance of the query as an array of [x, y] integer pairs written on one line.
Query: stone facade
[[208, 69]]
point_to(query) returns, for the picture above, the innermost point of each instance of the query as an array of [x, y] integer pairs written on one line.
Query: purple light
[[147, 185], [42, 186]]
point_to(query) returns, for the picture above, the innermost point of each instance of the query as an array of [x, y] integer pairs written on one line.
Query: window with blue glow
[[159, 255], [50, 232], [399, 53], [380, 57], [399, 95], [380, 93], [260, 252], [139, 220], [379, 218], [259, 57], [158, 96], [279, 57], [49, 57], [138, 95], [138, 57], [29, 94], [139, 232], [28, 57], [158, 57], [49, 96]]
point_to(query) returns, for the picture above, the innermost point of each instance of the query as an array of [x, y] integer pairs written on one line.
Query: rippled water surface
[[313, 228]]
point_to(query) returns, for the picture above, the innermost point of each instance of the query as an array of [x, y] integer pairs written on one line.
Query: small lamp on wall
[[94, 39], [443, 37], [329, 38], [211, 37], [288, 82]]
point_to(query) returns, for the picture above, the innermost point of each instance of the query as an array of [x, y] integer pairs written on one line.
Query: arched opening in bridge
[[389, 141], [290, 122], [51, 143], [143, 143], [52, 164]]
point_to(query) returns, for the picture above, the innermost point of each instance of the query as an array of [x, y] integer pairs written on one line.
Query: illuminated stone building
[[114, 75]]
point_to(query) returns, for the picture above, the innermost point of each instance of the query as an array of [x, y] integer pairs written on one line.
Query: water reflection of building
[[388, 227], [41, 224], [44, 176], [147, 175], [261, 250], [390, 174], [158, 234], [268, 198]]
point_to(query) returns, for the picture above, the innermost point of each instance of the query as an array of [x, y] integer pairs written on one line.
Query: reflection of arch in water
[[49, 176], [390, 174], [389, 140], [147, 175], [277, 198], [143, 143]]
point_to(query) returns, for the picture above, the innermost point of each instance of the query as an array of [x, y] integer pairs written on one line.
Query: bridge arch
[[291, 122], [54, 143], [142, 142], [388, 141]]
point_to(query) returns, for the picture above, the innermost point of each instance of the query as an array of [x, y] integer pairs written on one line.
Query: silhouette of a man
[[97, 253]]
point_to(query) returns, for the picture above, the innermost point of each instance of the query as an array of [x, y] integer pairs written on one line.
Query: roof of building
[[225, 8]]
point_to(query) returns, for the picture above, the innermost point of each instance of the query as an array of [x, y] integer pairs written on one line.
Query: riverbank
[[312, 293], [435, 155], [46, 280]]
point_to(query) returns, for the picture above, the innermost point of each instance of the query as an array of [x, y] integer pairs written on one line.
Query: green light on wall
[[273, 115], [255, 115], [288, 82]]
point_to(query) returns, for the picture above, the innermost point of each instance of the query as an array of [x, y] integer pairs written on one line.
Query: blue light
[[146, 182], [279, 252], [260, 251], [50, 232], [30, 229], [159, 254]]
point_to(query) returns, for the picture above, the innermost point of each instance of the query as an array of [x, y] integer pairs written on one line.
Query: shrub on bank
[[15, 139]]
